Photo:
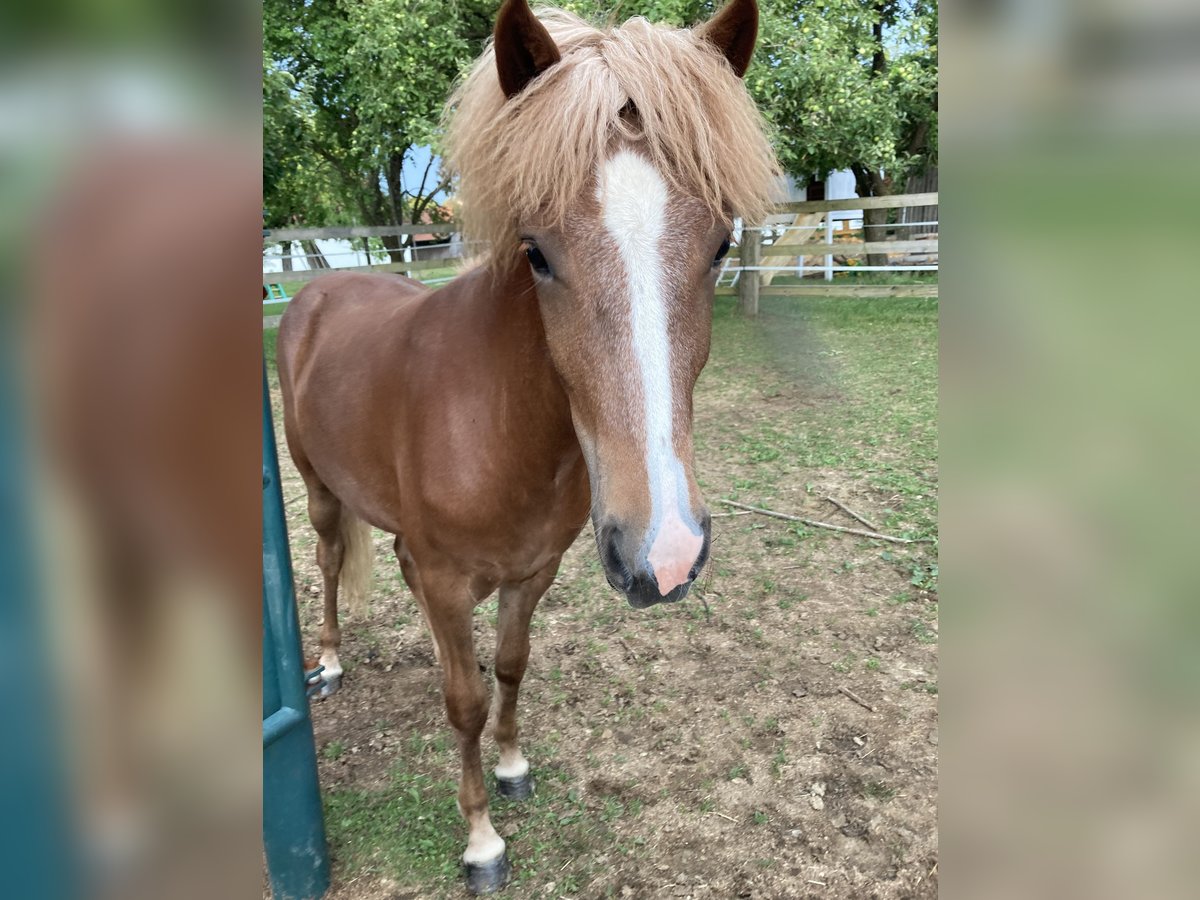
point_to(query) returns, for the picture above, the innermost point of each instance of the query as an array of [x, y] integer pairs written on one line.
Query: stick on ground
[[857, 699], [827, 525], [851, 513]]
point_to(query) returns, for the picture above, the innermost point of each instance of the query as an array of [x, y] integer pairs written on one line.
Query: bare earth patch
[[682, 752]]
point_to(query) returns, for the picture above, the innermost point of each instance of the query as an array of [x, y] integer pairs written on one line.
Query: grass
[[869, 370], [411, 832], [877, 790], [334, 750], [411, 828]]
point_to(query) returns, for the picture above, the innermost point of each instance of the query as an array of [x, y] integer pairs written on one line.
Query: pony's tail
[[358, 561]]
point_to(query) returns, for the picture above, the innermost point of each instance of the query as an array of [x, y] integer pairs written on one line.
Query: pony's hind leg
[[325, 512], [517, 603]]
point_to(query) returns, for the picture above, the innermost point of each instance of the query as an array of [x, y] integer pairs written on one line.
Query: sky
[[414, 167]]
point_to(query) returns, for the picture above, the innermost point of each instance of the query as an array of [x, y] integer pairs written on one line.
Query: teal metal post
[[293, 824], [38, 849]]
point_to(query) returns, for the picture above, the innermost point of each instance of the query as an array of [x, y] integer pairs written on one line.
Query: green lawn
[[870, 368]]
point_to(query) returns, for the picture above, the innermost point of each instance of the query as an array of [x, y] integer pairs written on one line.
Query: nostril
[[610, 555], [609, 536]]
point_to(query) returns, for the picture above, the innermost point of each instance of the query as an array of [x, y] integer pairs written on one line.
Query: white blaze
[[634, 198]]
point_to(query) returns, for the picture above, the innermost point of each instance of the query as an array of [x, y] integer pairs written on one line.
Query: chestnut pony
[[483, 422]]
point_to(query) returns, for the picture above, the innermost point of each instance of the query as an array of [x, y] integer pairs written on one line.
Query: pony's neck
[[536, 400]]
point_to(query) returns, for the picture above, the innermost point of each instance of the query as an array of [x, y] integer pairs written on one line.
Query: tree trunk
[[868, 181], [871, 184], [394, 245], [286, 255], [875, 229]]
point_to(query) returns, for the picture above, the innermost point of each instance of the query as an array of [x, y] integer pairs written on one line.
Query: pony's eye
[[537, 261], [721, 252]]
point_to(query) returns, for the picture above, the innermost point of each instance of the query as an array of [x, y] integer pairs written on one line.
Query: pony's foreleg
[[451, 614], [517, 603]]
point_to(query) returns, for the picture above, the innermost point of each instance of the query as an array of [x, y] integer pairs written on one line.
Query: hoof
[[329, 685], [487, 878], [515, 788]]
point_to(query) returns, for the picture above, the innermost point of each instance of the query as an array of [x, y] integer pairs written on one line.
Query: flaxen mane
[[540, 149]]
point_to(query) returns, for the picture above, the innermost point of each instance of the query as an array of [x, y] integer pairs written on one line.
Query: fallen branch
[[852, 514], [831, 527], [857, 699], [729, 515]]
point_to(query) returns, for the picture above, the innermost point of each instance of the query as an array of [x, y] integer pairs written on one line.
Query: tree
[[851, 84], [297, 185], [351, 90], [352, 87]]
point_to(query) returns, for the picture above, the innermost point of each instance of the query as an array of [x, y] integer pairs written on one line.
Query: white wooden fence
[[763, 252]]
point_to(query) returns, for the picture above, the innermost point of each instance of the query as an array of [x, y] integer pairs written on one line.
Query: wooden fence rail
[[356, 231], [849, 248], [752, 251], [896, 201], [747, 260]]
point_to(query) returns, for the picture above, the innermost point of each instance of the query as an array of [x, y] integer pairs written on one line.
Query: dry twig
[[852, 514], [815, 524], [857, 699]]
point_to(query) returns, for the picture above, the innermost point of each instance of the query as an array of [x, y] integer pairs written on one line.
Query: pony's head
[[606, 167]]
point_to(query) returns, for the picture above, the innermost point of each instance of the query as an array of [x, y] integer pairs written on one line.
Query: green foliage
[[849, 84], [350, 89], [845, 83], [298, 185]]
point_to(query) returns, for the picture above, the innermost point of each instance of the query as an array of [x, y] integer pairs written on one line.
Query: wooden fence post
[[750, 253]]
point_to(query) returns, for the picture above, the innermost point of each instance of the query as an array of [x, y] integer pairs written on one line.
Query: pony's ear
[[524, 48], [733, 31]]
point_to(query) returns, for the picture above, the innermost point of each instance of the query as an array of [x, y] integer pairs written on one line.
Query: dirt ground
[[782, 742]]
